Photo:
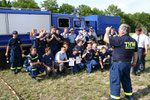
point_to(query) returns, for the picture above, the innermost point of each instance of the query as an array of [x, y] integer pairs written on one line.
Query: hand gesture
[[48, 68], [108, 29], [133, 64], [104, 59]]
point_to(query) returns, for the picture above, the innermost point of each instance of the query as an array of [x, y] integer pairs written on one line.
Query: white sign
[[78, 60], [71, 61]]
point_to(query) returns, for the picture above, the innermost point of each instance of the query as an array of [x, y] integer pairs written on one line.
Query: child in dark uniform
[[42, 41], [15, 54], [76, 66], [48, 62], [79, 47], [34, 63], [104, 58], [97, 58], [35, 40]]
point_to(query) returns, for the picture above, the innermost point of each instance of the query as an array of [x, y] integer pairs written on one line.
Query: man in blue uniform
[[125, 47], [34, 63], [90, 38], [15, 54], [60, 39], [79, 47], [88, 56], [48, 62], [75, 55], [52, 41]]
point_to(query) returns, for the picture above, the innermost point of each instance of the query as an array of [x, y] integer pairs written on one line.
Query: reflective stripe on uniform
[[34, 69], [18, 67], [95, 57], [128, 94], [24, 66], [40, 72], [34, 57], [12, 68], [114, 97], [106, 63]]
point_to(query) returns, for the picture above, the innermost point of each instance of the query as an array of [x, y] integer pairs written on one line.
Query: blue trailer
[[99, 23]]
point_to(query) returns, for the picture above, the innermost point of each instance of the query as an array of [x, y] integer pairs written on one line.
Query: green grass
[[82, 86]]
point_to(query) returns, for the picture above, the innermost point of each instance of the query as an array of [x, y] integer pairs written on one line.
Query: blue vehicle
[[99, 23], [24, 21]]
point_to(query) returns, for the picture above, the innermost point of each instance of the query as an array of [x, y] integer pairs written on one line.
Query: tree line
[[134, 20]]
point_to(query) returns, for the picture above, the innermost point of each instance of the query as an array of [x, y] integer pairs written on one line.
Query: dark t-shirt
[[90, 38], [104, 55], [61, 39], [14, 44], [48, 59], [89, 56], [79, 48], [53, 43], [124, 47]]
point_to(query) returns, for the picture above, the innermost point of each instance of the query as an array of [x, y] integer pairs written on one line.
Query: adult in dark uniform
[[60, 39], [52, 40], [90, 38], [15, 54], [125, 47]]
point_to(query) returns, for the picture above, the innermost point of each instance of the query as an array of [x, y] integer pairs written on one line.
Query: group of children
[[52, 52]]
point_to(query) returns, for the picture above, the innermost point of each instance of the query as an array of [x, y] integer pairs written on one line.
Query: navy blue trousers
[[90, 64], [35, 70], [120, 73], [75, 68], [15, 59]]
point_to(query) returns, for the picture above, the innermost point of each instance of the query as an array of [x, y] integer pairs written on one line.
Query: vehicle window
[[87, 23], [63, 22], [77, 23]]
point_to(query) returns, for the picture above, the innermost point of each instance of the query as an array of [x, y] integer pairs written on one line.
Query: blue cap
[[14, 32]]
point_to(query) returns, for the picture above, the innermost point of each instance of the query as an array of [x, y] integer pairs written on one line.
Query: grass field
[[82, 86]]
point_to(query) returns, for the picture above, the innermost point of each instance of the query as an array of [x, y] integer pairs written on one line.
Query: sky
[[127, 6]]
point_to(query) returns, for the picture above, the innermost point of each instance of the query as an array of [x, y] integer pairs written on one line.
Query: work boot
[[35, 79], [14, 72]]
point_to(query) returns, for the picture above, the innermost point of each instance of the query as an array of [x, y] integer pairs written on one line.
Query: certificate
[[71, 61], [78, 60]]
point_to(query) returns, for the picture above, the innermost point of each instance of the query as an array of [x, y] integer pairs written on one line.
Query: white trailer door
[[3, 20], [24, 23]]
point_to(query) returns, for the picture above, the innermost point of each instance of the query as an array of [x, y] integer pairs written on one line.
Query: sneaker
[[35, 79], [137, 74]]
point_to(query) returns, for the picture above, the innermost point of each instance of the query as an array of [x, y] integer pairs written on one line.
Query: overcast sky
[[128, 6]]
